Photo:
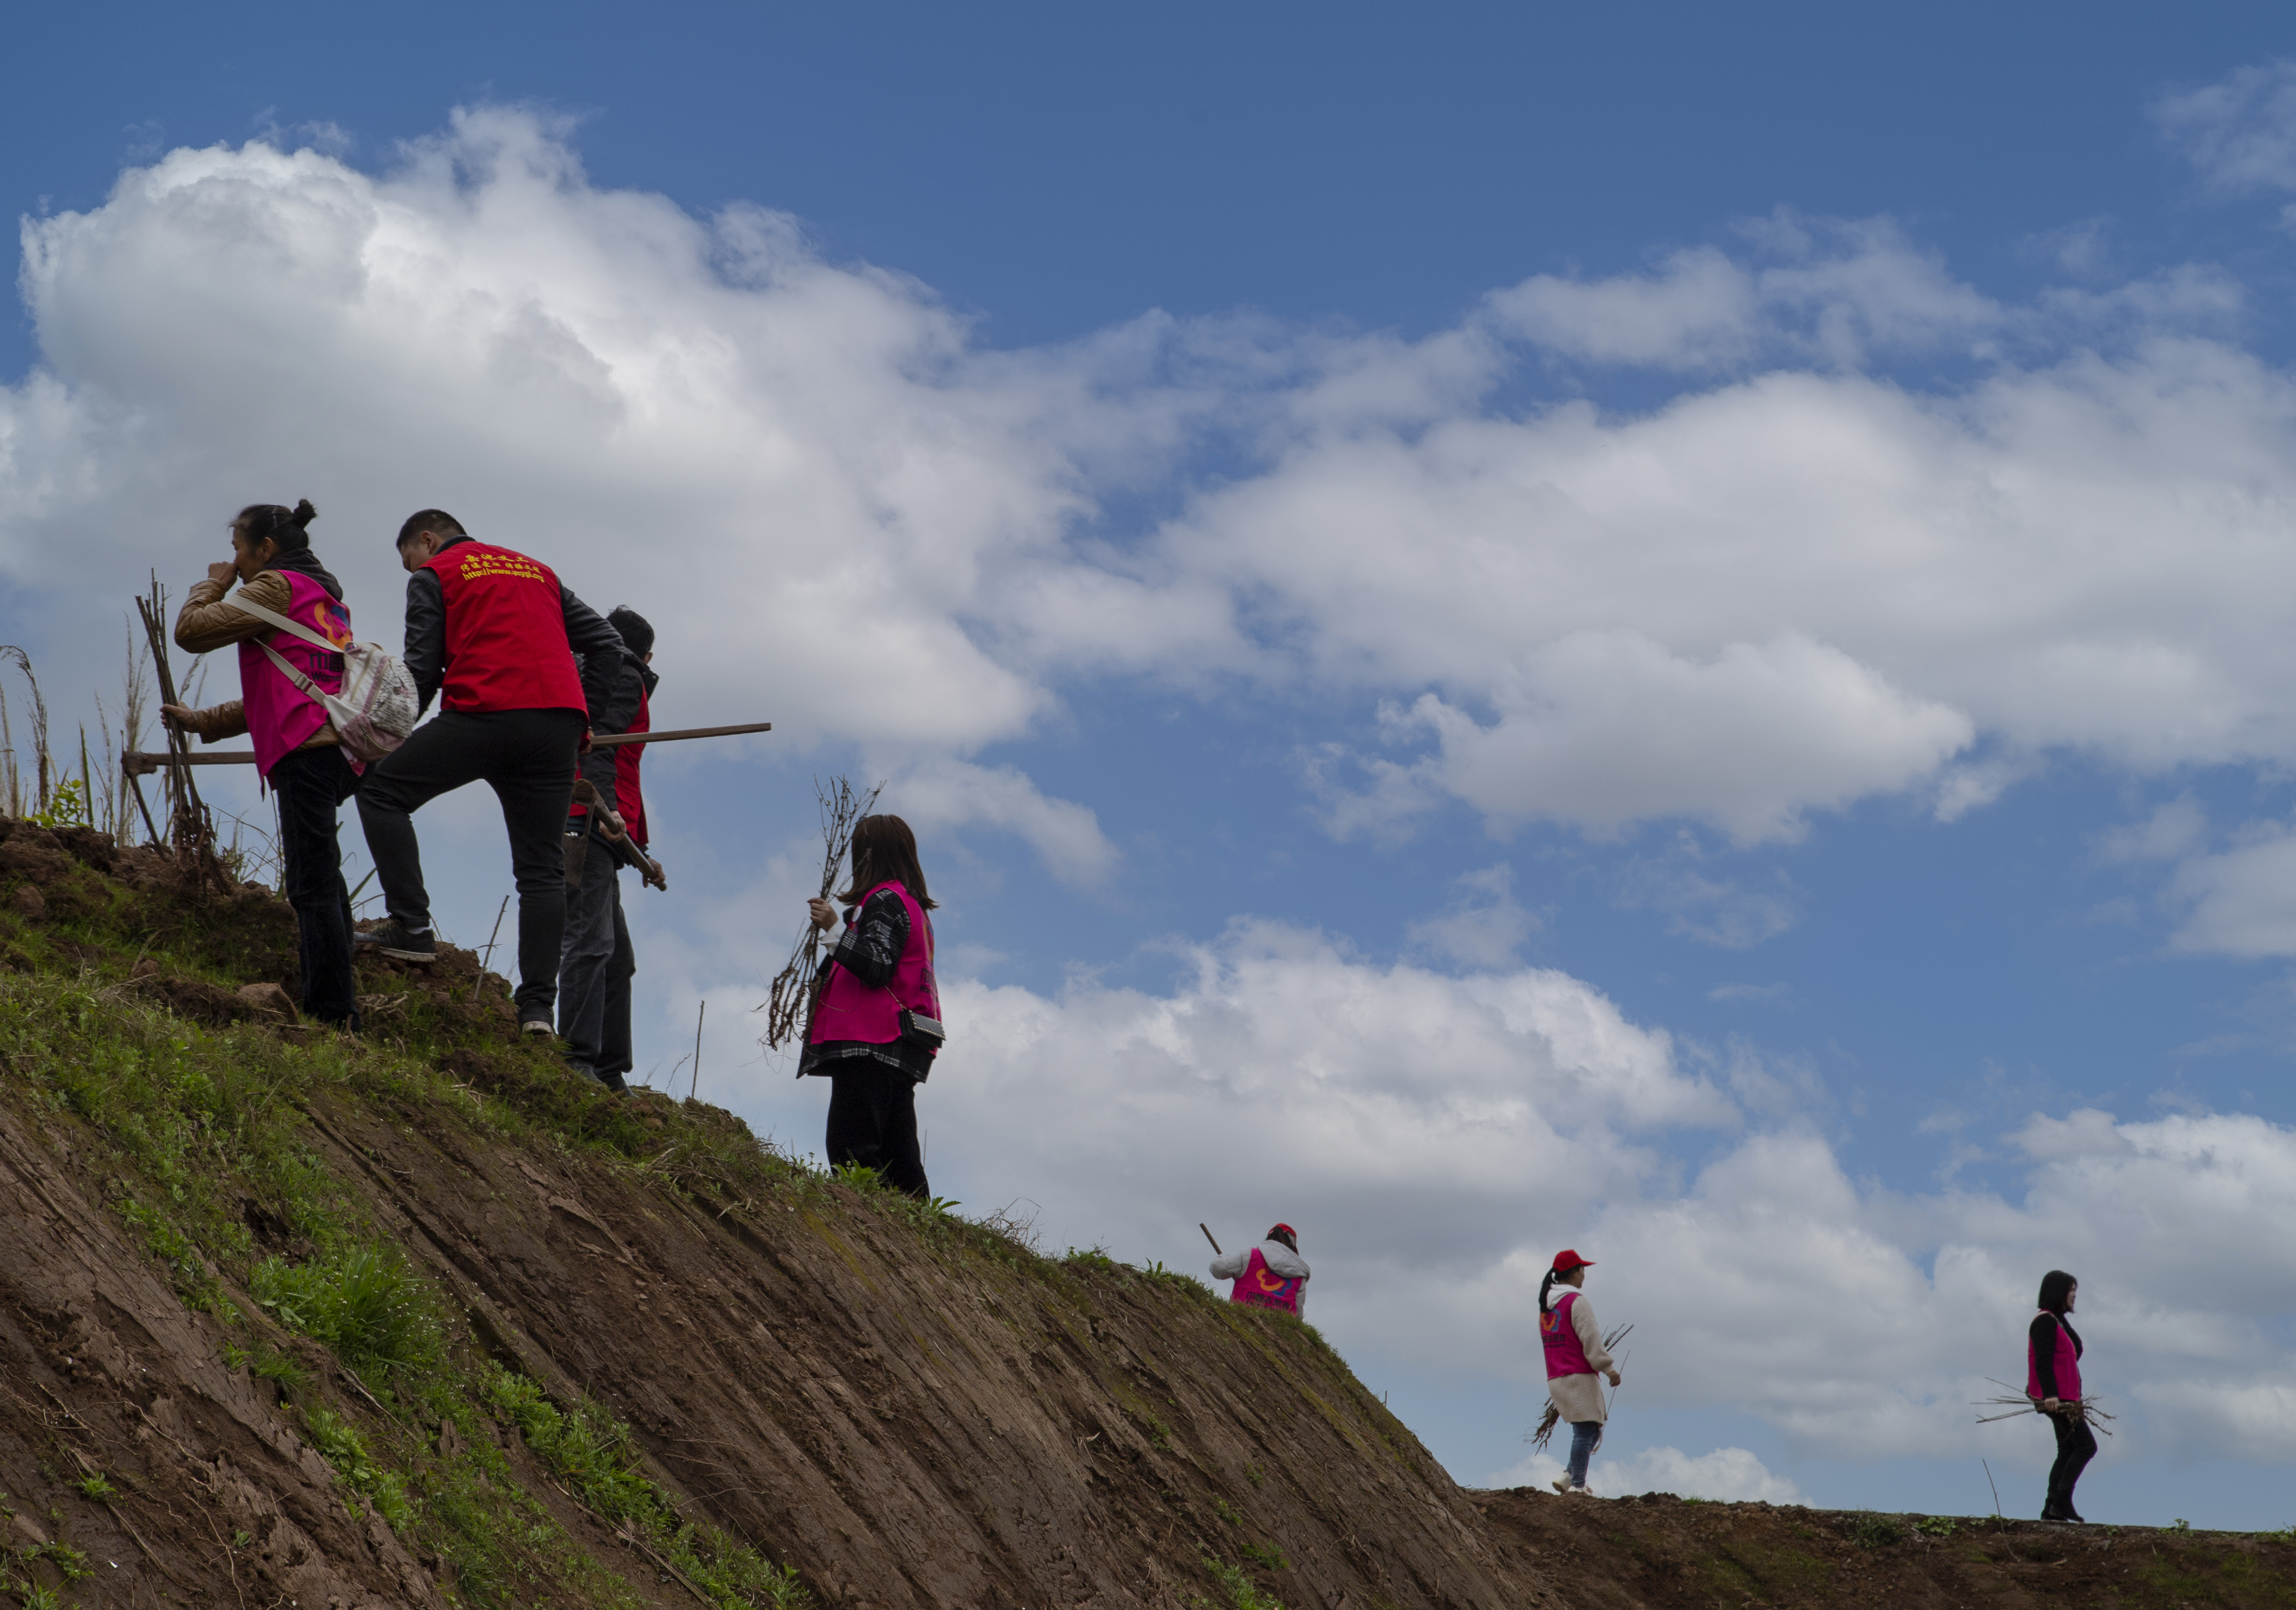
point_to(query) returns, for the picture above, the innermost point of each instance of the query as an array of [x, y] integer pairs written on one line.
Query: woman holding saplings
[[2053, 1351], [876, 1015], [1576, 1359], [296, 749]]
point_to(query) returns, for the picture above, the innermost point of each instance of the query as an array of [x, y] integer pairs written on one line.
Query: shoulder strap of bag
[[283, 624], [309, 688]]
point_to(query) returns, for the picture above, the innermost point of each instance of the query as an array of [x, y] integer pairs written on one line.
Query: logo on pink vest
[[1261, 1286], [851, 1009], [280, 719], [1564, 1353]]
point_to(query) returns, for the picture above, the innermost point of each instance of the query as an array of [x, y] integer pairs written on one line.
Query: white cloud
[[1726, 1475], [2242, 900], [2239, 132], [949, 794], [1797, 588], [1483, 926], [1435, 1140]]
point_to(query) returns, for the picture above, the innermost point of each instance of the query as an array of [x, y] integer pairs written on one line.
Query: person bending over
[[492, 634], [871, 993], [1270, 1275], [595, 962], [295, 749]]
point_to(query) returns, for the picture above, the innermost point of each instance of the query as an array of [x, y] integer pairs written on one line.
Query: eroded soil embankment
[[908, 1408]]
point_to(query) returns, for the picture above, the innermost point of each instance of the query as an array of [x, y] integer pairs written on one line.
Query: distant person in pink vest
[[295, 749], [876, 1014], [1270, 1275], [2053, 1380], [1575, 1358]]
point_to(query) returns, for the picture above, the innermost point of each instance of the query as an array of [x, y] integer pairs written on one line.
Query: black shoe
[[392, 938], [2065, 1512]]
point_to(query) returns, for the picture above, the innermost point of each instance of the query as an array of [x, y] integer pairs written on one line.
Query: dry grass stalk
[[11, 655], [190, 829], [788, 1007], [2014, 1402], [1553, 1416]]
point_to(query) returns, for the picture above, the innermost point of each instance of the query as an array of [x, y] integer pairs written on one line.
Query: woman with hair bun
[[295, 749], [2053, 1380], [1576, 1360], [876, 1016]]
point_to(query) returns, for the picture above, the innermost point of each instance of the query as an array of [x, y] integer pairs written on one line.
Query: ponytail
[[1545, 1287], [289, 528]]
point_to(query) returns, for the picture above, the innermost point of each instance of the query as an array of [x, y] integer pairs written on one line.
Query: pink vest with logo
[[851, 1009], [2068, 1365], [280, 718], [1261, 1286], [1564, 1353]]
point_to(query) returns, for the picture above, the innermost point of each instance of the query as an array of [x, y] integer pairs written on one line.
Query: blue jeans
[[1585, 1436]]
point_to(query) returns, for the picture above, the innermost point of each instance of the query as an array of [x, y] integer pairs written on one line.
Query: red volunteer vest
[[506, 645], [1564, 1353], [1260, 1286], [870, 1014], [627, 801], [2068, 1365], [280, 718], [625, 774]]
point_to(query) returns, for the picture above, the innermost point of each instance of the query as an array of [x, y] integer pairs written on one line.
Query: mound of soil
[[909, 1411]]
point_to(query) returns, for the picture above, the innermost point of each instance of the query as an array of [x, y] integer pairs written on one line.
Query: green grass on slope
[[198, 1124]]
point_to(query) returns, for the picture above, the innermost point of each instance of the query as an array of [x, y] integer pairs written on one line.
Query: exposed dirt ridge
[[286, 1320]]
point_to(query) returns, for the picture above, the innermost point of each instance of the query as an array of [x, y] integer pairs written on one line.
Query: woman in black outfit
[[2053, 1351]]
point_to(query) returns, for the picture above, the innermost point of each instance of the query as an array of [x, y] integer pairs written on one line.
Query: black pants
[[2075, 1447], [527, 757], [872, 1121], [595, 965], [310, 784]]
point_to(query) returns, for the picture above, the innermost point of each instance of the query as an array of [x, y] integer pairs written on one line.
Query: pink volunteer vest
[[2068, 1365], [1260, 1286], [1564, 1354], [851, 1009], [280, 718]]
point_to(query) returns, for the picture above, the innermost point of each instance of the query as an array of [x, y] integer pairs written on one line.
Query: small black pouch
[[917, 1029]]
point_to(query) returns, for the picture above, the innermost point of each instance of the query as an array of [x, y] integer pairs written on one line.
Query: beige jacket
[[206, 623], [1580, 1397]]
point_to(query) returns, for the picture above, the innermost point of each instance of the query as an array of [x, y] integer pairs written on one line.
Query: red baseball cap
[[1282, 1230], [1566, 1261]]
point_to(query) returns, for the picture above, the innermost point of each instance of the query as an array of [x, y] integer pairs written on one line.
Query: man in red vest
[[493, 635]]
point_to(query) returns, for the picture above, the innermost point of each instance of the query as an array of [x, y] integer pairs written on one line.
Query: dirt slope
[[290, 1320]]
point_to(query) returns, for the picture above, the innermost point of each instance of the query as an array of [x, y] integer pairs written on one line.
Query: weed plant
[[1241, 1592]]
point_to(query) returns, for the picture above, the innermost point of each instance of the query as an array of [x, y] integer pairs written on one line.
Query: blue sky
[[1659, 631]]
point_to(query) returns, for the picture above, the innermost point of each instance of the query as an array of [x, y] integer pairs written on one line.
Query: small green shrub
[[1936, 1525], [342, 1447], [1267, 1555], [365, 1305], [94, 1487], [1877, 1532], [1227, 1511], [1243, 1592]]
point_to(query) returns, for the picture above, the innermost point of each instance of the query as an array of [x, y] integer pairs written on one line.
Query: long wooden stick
[[137, 762], [1208, 1236]]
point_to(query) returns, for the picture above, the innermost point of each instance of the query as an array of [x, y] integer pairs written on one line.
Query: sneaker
[[393, 938], [532, 1026], [1562, 1483]]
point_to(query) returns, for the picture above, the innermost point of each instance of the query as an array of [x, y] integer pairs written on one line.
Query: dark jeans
[[872, 1121], [309, 784], [2075, 1447], [527, 757], [595, 965], [1585, 1436]]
